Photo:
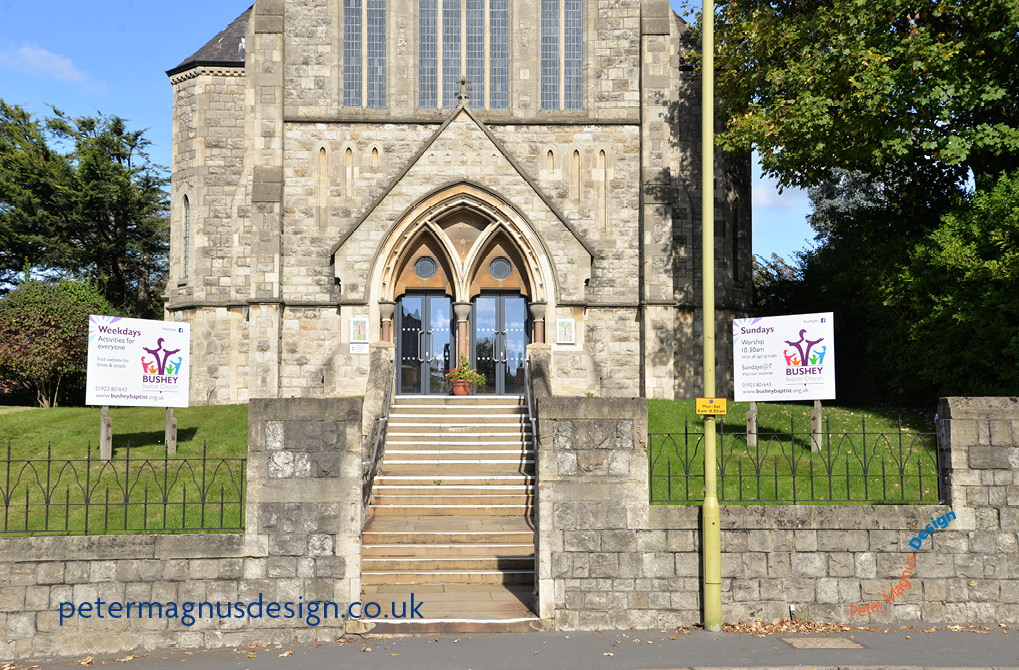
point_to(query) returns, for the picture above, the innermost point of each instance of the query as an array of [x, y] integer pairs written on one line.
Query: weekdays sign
[[784, 358], [136, 362]]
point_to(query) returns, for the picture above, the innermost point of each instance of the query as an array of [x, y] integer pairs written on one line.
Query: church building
[[455, 177]]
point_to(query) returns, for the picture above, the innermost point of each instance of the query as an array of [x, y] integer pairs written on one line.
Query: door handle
[[505, 346], [431, 354], [420, 346]]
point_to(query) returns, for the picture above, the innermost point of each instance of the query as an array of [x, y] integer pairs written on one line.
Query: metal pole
[[712, 538]]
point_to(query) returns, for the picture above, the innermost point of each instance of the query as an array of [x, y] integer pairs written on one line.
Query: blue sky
[[110, 56]]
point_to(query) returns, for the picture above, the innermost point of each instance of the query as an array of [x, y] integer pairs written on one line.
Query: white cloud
[[35, 60]]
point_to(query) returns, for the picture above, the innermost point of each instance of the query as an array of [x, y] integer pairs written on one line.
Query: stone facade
[[608, 559], [294, 200]]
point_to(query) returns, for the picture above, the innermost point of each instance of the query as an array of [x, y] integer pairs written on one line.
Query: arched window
[[550, 160], [364, 53], [576, 174], [187, 235], [452, 41], [348, 176], [562, 52]]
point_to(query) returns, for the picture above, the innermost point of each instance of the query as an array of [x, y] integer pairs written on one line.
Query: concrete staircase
[[451, 517]]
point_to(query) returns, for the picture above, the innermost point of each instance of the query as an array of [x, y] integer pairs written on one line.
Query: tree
[[962, 285], [918, 92], [44, 334], [97, 212]]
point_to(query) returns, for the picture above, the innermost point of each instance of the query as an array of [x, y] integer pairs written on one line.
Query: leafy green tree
[[96, 212], [919, 91], [963, 289], [44, 335]]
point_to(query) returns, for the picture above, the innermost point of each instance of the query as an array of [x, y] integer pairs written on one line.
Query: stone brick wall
[[609, 559], [302, 541]]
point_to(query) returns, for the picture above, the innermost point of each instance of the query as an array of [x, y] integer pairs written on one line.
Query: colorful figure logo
[[803, 356], [161, 365]]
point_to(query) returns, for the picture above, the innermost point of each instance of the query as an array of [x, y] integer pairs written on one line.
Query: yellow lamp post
[[711, 538]]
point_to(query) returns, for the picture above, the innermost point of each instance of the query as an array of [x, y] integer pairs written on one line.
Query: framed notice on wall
[[359, 335], [566, 331]]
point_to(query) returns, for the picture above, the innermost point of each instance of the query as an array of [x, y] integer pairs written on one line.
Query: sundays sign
[[784, 358]]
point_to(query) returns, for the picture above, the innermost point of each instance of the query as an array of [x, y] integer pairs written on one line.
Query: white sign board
[[784, 358], [136, 362]]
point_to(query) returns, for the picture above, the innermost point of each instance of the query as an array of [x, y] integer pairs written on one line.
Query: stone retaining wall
[[608, 559], [301, 543]]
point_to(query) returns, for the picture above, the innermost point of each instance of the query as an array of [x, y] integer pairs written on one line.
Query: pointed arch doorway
[[463, 279]]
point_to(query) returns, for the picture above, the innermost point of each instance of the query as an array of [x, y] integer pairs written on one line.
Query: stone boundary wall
[[302, 541], [609, 559]]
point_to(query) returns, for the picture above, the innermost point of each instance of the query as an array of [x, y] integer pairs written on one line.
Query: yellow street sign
[[710, 406]]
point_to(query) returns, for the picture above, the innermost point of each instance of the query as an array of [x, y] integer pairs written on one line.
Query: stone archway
[[464, 229]]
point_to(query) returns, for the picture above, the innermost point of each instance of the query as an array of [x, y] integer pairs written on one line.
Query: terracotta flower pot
[[461, 388]]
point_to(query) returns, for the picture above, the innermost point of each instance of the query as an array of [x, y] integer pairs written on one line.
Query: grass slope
[[863, 457], [139, 489]]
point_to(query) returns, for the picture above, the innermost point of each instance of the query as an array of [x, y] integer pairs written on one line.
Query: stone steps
[[452, 510]]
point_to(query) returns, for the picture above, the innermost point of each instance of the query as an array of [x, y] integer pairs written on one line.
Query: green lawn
[[863, 457], [49, 474]]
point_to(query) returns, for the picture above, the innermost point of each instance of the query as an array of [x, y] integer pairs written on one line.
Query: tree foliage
[[79, 198], [917, 91], [44, 334], [962, 285]]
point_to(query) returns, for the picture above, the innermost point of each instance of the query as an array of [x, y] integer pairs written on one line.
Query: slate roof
[[223, 49]]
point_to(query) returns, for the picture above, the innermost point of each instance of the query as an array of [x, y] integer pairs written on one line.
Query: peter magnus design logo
[[162, 368]]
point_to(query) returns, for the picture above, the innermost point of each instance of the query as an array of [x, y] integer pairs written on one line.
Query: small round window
[[501, 268], [425, 267]]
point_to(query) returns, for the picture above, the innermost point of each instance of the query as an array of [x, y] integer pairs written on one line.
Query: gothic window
[[187, 235], [460, 38], [562, 52], [364, 53]]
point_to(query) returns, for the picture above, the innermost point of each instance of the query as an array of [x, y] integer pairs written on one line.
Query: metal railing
[[90, 496], [864, 467], [529, 397], [370, 468]]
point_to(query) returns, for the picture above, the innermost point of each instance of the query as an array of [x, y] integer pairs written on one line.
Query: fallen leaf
[[366, 649], [87, 661], [397, 653], [608, 653], [129, 657], [285, 654]]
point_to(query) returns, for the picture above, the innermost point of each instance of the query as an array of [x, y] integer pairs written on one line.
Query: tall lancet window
[[187, 236], [364, 53], [562, 54], [458, 38]]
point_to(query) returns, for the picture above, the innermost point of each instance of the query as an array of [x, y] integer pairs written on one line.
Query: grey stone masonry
[[609, 559], [301, 544]]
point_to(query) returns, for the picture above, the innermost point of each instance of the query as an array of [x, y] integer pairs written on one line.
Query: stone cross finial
[[464, 96]]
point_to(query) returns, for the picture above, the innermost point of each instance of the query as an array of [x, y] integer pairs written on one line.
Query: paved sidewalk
[[860, 648]]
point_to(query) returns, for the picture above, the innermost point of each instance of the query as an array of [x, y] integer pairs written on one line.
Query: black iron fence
[[864, 467], [89, 496]]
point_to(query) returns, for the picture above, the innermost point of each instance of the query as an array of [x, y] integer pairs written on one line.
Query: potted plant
[[463, 377]]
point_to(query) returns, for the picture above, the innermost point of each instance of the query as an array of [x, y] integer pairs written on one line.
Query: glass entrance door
[[424, 323], [500, 337]]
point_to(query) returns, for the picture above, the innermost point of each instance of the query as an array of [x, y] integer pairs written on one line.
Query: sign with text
[[137, 362], [784, 358], [710, 406]]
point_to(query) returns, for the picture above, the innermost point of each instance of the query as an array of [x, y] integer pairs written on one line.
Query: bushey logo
[[161, 368], [803, 354]]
